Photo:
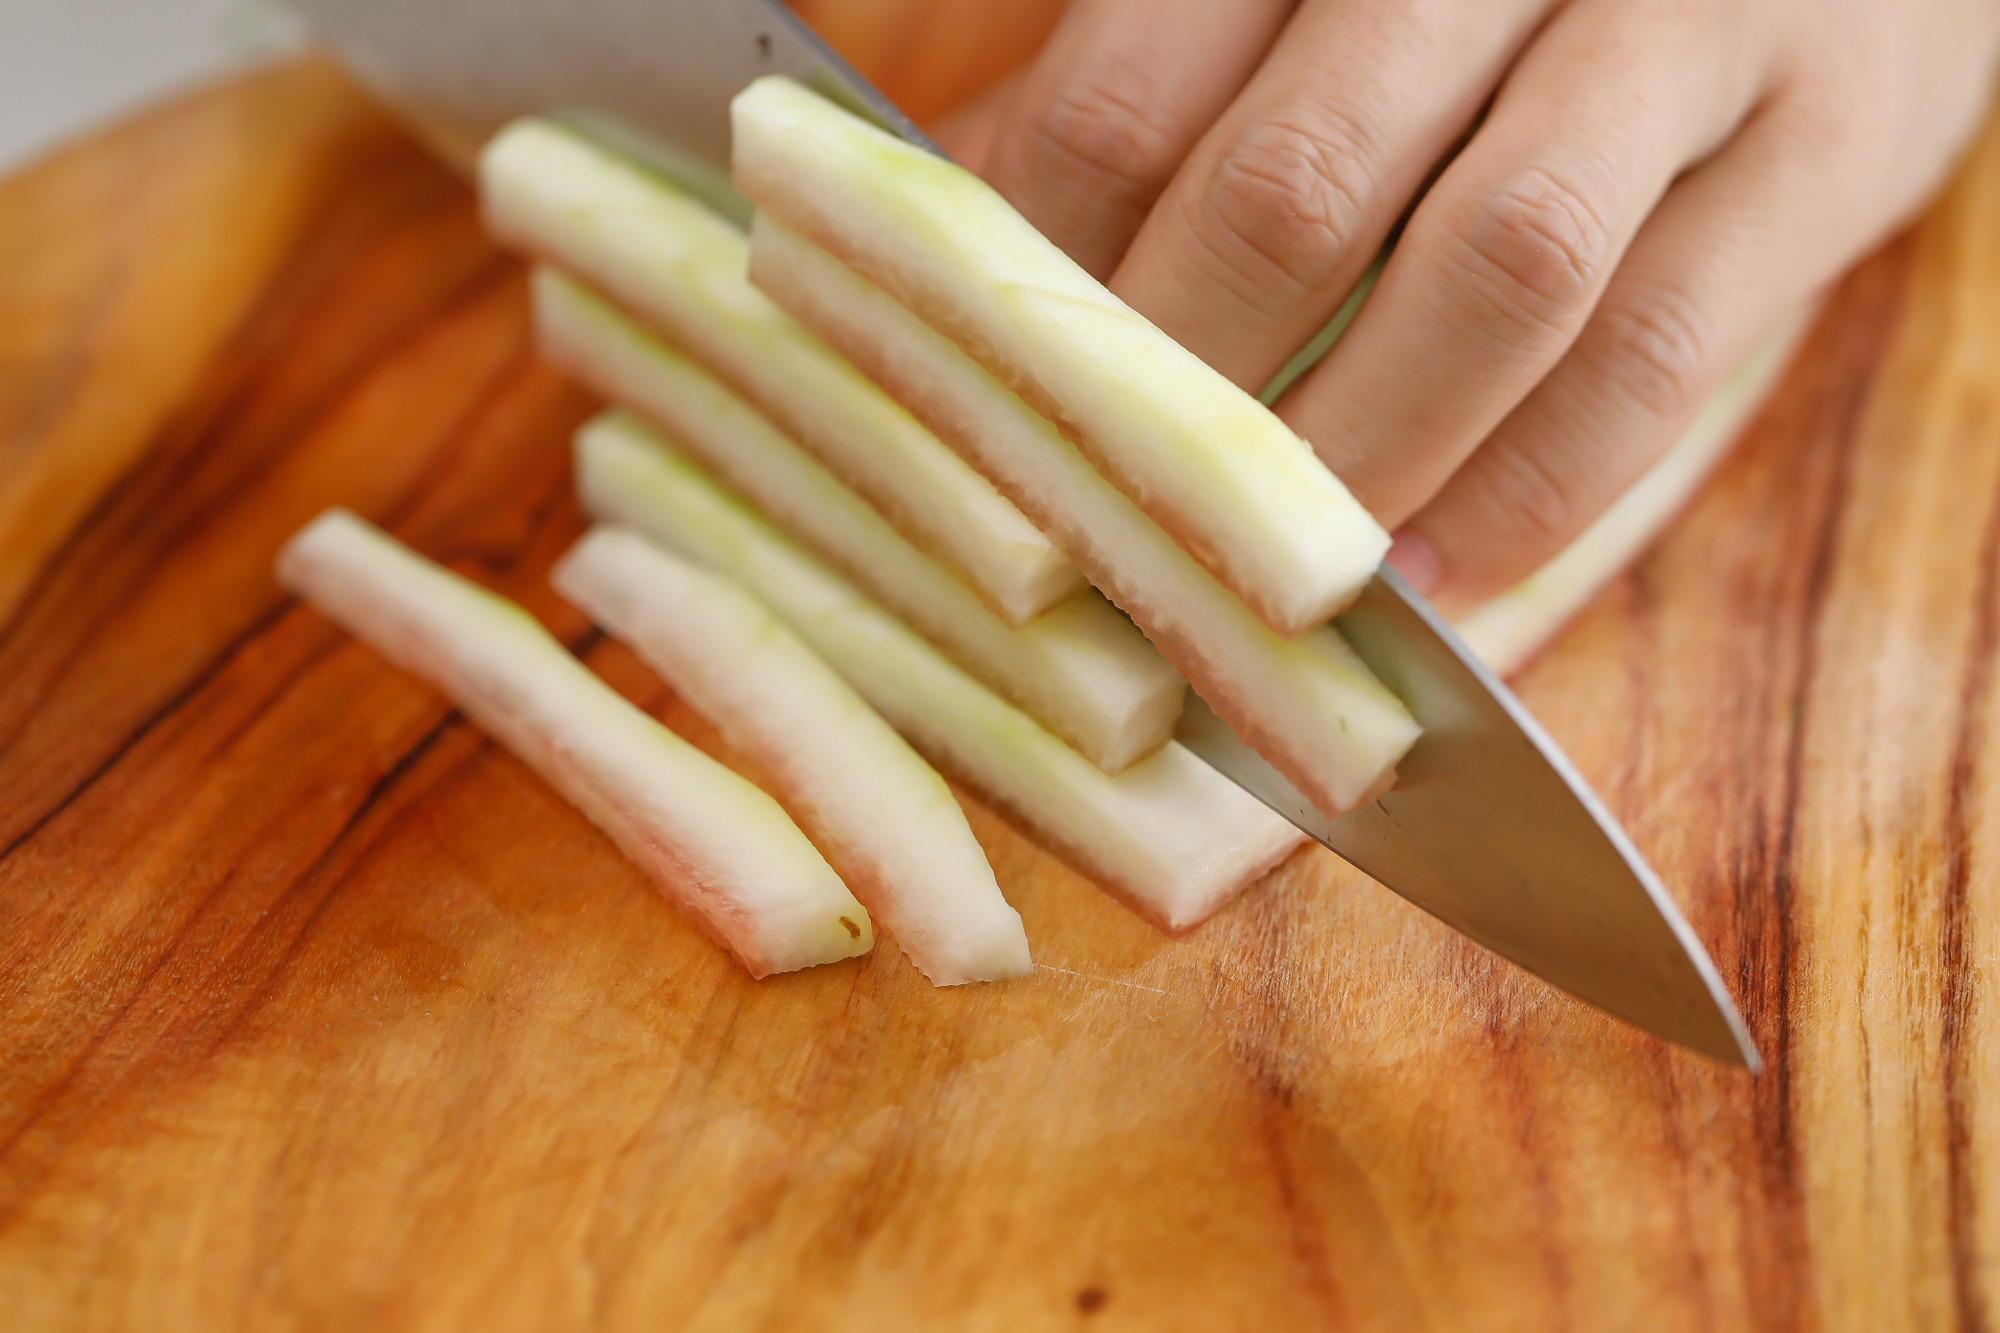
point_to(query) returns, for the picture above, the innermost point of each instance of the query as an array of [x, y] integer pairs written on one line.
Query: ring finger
[[1507, 255], [1738, 244]]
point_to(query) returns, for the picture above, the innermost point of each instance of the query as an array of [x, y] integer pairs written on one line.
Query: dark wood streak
[[190, 447], [200, 464], [313, 879], [1956, 965], [203, 460], [1810, 442], [339, 221], [18, 1184], [167, 708], [1870, 302]]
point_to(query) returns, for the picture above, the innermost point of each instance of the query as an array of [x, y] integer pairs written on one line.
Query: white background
[[69, 65]]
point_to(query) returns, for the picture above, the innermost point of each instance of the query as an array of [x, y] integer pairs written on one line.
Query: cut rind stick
[[1081, 669], [682, 269], [1210, 464], [1171, 837], [1306, 704], [881, 815], [1507, 629], [721, 850]]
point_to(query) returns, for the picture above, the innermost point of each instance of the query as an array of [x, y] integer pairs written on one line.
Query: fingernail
[[1417, 561]]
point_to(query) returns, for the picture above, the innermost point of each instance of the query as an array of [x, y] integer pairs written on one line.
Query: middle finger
[[1282, 204]]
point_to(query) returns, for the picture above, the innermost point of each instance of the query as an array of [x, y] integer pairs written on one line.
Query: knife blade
[[1489, 828], [1492, 830]]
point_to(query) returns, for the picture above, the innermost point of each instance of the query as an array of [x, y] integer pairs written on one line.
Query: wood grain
[[318, 1012]]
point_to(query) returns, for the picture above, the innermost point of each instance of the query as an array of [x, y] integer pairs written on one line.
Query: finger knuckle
[[1820, 126], [1658, 349], [1842, 137], [1289, 200], [1533, 507], [1109, 130], [1531, 255], [1837, 100]]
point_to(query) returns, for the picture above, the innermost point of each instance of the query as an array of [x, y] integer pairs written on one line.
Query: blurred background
[[68, 65]]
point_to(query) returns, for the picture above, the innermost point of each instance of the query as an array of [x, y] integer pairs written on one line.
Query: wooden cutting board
[[318, 1012]]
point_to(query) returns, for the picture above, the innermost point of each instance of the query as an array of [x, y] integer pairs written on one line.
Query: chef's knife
[[1489, 828]]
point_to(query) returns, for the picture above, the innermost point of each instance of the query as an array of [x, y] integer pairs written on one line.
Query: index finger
[[1110, 108]]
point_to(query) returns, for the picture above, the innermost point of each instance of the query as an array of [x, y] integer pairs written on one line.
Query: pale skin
[[1605, 205]]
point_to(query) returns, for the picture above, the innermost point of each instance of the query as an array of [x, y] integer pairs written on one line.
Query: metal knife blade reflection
[[1490, 829]]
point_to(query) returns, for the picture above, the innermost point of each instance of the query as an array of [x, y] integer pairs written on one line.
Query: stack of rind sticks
[[1002, 527]]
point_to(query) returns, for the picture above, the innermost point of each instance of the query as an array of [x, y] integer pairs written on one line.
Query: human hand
[[1651, 186]]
